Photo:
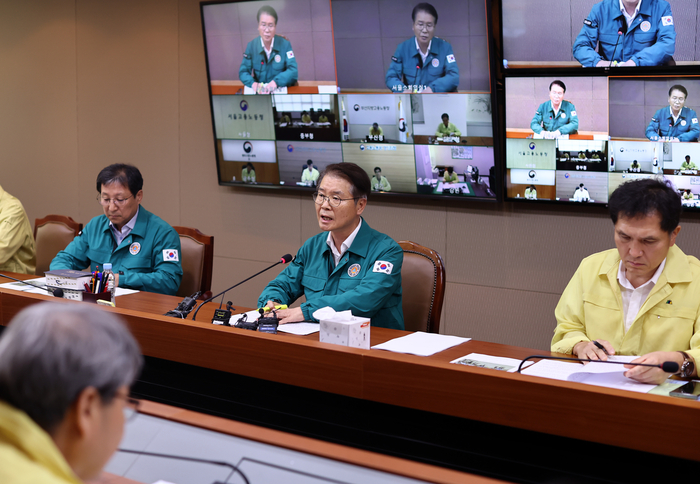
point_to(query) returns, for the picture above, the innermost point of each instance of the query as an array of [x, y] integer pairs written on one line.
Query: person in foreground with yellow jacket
[[65, 373], [642, 299]]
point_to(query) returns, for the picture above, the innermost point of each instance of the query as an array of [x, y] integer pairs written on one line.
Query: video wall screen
[[595, 33], [575, 139], [402, 88]]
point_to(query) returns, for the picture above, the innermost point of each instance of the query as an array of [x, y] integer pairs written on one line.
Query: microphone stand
[[58, 292]]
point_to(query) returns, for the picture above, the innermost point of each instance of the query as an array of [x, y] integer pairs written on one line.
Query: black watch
[[688, 367]]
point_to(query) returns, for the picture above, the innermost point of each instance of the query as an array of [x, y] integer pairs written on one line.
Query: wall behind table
[[89, 83]]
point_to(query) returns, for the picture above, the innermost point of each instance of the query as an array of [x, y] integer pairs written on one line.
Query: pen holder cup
[[92, 297]]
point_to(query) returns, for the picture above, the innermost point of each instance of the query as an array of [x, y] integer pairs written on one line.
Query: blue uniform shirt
[[566, 119], [281, 67], [649, 41], [440, 71], [366, 281], [685, 129], [148, 259]]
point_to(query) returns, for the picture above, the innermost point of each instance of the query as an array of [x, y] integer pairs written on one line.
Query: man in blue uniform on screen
[[555, 117], [629, 33], [423, 63], [349, 265], [143, 249], [268, 60], [676, 122]]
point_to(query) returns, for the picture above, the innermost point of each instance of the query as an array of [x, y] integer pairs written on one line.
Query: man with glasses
[[677, 122], [143, 249], [351, 267], [65, 374], [268, 61], [423, 63]]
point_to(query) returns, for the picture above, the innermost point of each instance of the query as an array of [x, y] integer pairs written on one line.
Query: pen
[[600, 346], [281, 306]]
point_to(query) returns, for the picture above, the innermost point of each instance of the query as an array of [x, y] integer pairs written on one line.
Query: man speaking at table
[[143, 249], [557, 116], [676, 122], [642, 299], [348, 266], [628, 32]]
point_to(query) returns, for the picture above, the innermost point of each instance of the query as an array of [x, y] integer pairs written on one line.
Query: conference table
[[489, 422]]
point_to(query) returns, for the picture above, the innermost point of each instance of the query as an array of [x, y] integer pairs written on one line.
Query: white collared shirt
[[344, 246], [628, 17], [120, 235], [423, 56], [675, 118], [272, 45], [633, 299]]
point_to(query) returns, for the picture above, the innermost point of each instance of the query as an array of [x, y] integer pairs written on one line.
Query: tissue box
[[353, 332]]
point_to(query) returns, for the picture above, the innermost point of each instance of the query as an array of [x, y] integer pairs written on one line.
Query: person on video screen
[[687, 164], [677, 122], [268, 60], [424, 62], [310, 174], [248, 173], [379, 182], [531, 193], [629, 33], [450, 176], [376, 130], [446, 128], [555, 117]]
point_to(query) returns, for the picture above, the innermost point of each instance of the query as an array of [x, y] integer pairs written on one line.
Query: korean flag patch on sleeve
[[290, 54], [450, 58], [171, 255], [695, 120], [666, 21], [383, 266], [573, 113]]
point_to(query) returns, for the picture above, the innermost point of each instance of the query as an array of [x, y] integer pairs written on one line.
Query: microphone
[[190, 459], [283, 260], [666, 366], [58, 292], [620, 33]]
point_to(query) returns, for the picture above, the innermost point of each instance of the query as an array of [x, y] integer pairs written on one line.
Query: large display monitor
[[401, 88]]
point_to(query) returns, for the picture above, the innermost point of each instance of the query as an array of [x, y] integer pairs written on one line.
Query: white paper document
[[421, 344], [599, 374], [492, 362]]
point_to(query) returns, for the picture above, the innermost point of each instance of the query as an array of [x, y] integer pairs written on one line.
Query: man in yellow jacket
[[642, 299], [65, 373], [17, 251]]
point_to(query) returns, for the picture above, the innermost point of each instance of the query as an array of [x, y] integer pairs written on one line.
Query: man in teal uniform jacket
[[628, 32], [268, 60], [143, 249], [424, 62], [348, 266], [556, 116], [677, 122]]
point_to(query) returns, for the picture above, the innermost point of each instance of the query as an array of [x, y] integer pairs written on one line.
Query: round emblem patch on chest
[[435, 62], [134, 248], [645, 26], [354, 270], [683, 122], [278, 58], [563, 115]]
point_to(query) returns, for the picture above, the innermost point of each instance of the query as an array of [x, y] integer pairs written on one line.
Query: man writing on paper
[[143, 249], [642, 299], [65, 373], [348, 266]]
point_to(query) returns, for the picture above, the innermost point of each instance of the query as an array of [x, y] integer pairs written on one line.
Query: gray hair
[[52, 351]]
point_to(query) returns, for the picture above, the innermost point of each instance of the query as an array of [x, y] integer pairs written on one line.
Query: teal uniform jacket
[[149, 266], [566, 120], [685, 129], [440, 71], [356, 283], [281, 67], [649, 41]]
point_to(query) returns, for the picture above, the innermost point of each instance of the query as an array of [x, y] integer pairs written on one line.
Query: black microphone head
[[669, 367], [58, 292], [286, 258]]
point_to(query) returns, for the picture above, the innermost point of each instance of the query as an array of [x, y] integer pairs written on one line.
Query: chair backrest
[[52, 234], [197, 260], [423, 285]]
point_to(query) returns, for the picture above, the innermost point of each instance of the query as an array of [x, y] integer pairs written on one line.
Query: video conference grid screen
[[286, 103], [595, 33], [575, 139]]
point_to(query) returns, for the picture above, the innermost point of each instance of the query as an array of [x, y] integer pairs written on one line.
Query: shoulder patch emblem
[[134, 248], [383, 266], [450, 58], [290, 54], [395, 59], [435, 63], [245, 55], [171, 255], [278, 58], [695, 120], [587, 22], [573, 113], [354, 270], [666, 21], [645, 26]]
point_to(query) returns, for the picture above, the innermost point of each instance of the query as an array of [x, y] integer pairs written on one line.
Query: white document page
[[41, 281], [421, 344]]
